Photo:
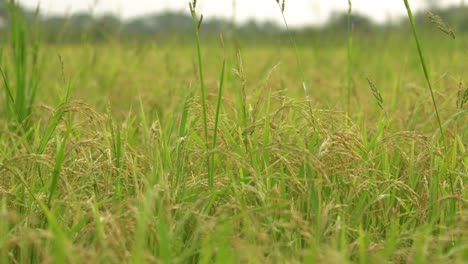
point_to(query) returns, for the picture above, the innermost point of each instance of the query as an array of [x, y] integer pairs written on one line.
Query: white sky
[[298, 12]]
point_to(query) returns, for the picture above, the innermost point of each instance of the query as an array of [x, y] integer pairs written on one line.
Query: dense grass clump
[[219, 157]]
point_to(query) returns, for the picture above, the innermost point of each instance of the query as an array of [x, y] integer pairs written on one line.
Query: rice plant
[[171, 151], [21, 91]]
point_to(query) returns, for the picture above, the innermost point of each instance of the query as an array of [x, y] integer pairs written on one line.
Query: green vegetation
[[208, 151]]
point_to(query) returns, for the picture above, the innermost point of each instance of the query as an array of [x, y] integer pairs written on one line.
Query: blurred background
[[134, 20]]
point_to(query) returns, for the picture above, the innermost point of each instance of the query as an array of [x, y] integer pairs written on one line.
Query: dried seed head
[[281, 4], [440, 23], [193, 6], [462, 97], [376, 93], [200, 22]]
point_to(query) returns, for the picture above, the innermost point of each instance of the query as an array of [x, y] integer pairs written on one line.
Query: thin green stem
[[197, 24], [298, 60], [424, 67], [216, 124], [350, 54]]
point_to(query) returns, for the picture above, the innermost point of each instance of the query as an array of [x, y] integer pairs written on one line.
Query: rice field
[[215, 151]]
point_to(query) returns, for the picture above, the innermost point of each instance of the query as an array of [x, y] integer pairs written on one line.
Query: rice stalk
[[282, 6], [425, 69]]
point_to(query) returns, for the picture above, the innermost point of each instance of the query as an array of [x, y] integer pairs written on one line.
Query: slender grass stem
[[424, 67], [429, 85], [197, 23], [216, 124], [60, 157], [298, 59], [350, 55], [25, 69]]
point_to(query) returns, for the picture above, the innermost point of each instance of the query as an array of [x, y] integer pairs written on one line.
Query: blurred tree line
[[168, 25]]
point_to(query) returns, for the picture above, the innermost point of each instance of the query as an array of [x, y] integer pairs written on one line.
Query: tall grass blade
[[197, 23], [60, 157], [4, 230], [25, 77], [54, 121], [215, 131], [425, 70], [281, 6], [20, 60], [10, 100], [350, 55]]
